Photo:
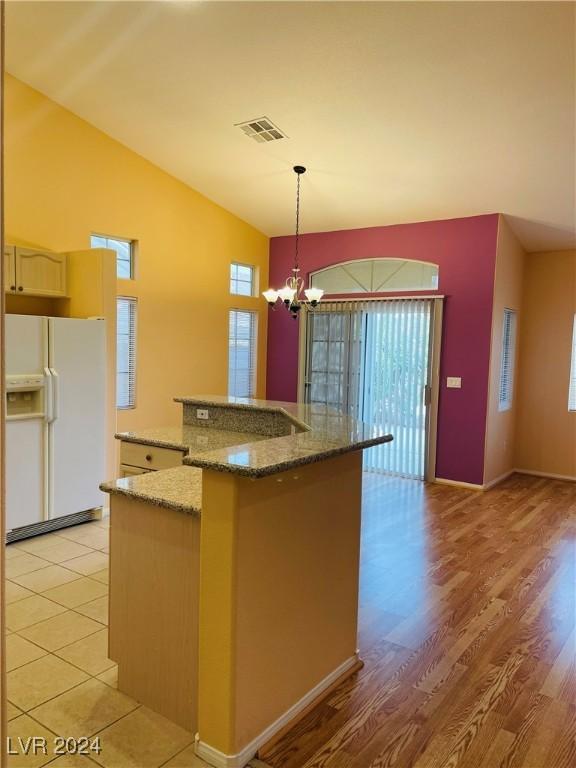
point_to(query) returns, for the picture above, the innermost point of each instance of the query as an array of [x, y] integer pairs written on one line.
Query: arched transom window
[[376, 276]]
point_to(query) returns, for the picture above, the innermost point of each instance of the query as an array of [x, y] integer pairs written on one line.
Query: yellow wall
[[65, 179], [546, 431], [500, 425]]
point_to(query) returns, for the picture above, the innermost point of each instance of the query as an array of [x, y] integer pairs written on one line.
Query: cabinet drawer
[[149, 456], [128, 471]]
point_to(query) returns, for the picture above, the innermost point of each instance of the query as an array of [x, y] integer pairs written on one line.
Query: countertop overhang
[[179, 488], [188, 438]]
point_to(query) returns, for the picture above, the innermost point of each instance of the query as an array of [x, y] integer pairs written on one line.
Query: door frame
[[3, 718], [434, 354]]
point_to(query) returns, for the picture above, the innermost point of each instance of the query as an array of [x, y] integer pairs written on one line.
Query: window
[[242, 279], [386, 275], [125, 352], [507, 361], [242, 353], [124, 253], [572, 385]]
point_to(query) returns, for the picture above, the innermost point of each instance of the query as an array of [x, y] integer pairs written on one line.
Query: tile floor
[[60, 680]]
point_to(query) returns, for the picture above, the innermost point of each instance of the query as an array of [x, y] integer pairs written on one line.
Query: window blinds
[[371, 359], [242, 353], [396, 371], [572, 386], [506, 389], [125, 352]]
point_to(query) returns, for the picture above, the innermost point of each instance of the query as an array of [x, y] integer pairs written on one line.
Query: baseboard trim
[[551, 475], [497, 480], [475, 486], [501, 478], [458, 484], [220, 760]]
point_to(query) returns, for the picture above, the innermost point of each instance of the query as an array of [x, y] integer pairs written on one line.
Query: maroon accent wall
[[465, 250]]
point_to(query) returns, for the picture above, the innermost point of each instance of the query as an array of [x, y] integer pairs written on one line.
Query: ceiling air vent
[[261, 130]]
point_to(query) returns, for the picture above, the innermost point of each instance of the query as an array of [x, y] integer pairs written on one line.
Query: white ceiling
[[401, 111]]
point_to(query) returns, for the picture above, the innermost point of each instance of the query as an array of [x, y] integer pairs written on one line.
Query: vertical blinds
[[572, 386], [371, 359], [242, 353], [125, 352], [506, 389], [395, 379]]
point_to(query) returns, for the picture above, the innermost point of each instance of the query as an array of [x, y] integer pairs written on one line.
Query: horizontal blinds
[[506, 387], [572, 386], [242, 353], [125, 352]]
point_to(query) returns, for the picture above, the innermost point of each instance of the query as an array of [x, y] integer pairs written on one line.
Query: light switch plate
[[201, 413], [454, 382]]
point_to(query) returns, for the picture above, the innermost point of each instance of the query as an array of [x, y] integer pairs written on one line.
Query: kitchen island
[[234, 577]]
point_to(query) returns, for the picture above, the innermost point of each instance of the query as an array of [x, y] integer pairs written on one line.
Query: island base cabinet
[[154, 563], [279, 578], [233, 623]]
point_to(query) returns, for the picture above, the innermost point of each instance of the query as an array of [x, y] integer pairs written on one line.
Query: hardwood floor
[[467, 630]]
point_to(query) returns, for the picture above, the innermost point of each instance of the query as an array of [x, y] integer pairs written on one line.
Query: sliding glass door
[[396, 371], [333, 358], [373, 360]]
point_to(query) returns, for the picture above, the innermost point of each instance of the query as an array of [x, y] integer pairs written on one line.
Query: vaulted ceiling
[[400, 111]]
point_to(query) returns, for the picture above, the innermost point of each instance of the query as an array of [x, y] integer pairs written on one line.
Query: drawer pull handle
[[148, 457]]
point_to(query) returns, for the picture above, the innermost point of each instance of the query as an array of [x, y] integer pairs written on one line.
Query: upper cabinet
[[9, 269], [31, 272]]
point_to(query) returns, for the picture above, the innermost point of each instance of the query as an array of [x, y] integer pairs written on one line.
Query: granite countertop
[[327, 434], [298, 413], [188, 438], [179, 488], [322, 434]]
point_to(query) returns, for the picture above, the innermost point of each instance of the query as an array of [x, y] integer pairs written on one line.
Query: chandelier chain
[[293, 295], [297, 220]]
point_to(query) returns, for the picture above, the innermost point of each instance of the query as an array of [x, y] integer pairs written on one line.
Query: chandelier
[[291, 294]]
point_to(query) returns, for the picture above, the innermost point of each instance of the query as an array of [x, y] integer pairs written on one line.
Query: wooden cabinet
[[31, 272], [9, 269], [137, 458]]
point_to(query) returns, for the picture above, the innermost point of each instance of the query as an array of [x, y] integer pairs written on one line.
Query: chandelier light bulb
[[314, 295], [270, 295], [287, 294]]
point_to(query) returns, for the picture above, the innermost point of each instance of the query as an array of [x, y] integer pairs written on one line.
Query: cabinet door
[[40, 273], [9, 269]]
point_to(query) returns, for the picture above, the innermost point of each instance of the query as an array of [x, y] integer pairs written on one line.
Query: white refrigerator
[[55, 420]]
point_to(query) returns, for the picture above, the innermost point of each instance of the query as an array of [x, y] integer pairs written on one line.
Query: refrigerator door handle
[[55, 393], [48, 396]]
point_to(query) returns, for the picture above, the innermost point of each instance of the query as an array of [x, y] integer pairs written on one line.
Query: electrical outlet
[[201, 413], [454, 382]]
